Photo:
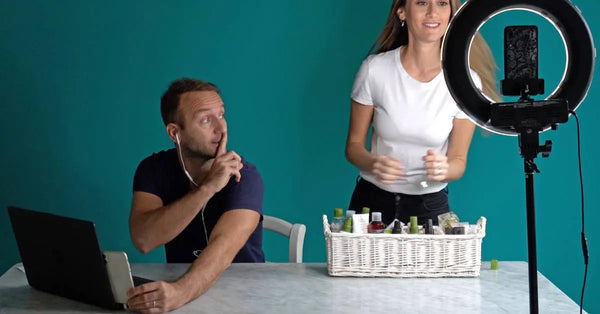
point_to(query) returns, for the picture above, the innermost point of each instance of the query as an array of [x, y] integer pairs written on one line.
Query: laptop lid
[[61, 255]]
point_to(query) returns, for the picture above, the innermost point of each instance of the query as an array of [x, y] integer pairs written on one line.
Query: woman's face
[[426, 20]]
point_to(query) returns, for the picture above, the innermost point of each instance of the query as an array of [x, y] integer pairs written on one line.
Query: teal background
[[81, 82]]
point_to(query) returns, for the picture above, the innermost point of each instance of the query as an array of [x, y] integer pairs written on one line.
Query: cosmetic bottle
[[414, 226], [348, 223], [397, 227], [376, 226], [338, 220]]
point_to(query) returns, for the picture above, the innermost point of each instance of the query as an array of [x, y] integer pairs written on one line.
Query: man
[[202, 202]]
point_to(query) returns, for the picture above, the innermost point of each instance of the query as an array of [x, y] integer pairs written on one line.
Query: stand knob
[[546, 149]]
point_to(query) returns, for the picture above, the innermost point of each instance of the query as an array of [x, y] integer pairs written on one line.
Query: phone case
[[521, 52], [119, 273], [521, 62]]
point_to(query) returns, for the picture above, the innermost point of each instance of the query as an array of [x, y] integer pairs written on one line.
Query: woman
[[420, 138]]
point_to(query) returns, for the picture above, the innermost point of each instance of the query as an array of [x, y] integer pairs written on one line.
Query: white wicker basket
[[403, 255]]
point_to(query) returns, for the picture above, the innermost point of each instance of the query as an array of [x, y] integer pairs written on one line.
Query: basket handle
[[326, 229], [481, 223]]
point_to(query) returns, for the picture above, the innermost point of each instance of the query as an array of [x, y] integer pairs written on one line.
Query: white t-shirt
[[410, 117]]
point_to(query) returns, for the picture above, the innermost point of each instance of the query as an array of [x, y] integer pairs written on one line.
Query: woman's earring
[[402, 23]]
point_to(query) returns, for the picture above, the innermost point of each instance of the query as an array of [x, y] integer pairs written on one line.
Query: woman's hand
[[436, 166], [386, 169]]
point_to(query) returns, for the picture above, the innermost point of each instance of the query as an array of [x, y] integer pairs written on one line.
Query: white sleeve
[[477, 80], [361, 92]]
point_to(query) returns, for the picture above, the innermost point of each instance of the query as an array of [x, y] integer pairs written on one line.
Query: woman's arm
[[385, 169], [452, 166]]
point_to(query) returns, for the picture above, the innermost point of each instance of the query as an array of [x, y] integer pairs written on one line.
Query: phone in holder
[[521, 61]]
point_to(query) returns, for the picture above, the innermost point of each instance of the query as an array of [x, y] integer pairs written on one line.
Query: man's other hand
[[157, 297]]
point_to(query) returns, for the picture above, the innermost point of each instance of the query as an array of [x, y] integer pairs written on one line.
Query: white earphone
[[196, 252], [183, 163]]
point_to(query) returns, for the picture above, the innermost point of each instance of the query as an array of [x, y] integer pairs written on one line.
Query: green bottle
[[348, 223], [414, 226]]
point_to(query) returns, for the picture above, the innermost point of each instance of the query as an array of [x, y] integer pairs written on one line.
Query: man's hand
[[224, 243], [224, 166], [157, 297]]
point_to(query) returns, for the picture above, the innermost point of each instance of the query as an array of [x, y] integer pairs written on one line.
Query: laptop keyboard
[[140, 281]]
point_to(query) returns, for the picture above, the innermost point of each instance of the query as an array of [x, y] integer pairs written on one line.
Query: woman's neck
[[421, 61]]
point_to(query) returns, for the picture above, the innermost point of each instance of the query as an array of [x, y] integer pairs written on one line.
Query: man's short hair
[[169, 101]]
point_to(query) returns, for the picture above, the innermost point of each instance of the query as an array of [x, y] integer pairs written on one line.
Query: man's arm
[[151, 224], [229, 235]]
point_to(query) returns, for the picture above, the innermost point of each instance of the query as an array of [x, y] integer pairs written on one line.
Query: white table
[[306, 288]]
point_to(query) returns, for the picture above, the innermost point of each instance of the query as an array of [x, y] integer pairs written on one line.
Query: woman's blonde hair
[[481, 59]]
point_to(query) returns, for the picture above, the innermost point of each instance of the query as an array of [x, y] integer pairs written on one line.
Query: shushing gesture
[[224, 166]]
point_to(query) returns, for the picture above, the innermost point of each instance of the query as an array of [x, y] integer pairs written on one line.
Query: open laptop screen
[[62, 256]]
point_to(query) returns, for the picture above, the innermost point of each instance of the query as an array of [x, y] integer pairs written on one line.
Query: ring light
[[567, 20]]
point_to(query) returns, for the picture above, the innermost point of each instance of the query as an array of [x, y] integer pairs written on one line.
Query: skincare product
[[447, 221], [494, 264], [367, 210], [414, 226], [360, 223], [338, 220], [376, 226], [397, 227], [458, 230], [348, 223], [428, 226]]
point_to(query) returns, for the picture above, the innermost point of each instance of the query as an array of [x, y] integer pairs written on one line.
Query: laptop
[[62, 256]]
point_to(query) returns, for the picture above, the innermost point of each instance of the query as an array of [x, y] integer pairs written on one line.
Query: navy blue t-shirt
[[161, 174]]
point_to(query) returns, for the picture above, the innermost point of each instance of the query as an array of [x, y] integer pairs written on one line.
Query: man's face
[[203, 116]]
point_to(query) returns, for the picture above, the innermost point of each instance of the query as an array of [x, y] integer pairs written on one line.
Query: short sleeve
[[144, 178], [246, 194], [361, 92]]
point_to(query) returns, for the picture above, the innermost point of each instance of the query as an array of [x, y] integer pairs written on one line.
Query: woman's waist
[[415, 184]]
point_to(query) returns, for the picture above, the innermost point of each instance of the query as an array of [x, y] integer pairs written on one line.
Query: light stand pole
[[531, 239], [528, 145], [528, 124]]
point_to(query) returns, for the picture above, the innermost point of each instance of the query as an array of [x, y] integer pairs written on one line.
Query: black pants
[[398, 205]]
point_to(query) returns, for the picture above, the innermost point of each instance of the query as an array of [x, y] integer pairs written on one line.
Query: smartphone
[[119, 273], [521, 61]]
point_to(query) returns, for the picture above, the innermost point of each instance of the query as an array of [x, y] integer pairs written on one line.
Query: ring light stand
[[525, 118]]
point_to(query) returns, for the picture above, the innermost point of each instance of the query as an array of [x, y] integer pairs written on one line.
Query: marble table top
[[307, 288]]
